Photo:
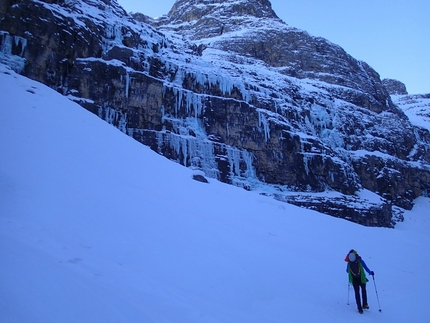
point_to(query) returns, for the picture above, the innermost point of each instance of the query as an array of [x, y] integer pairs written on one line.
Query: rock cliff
[[395, 87], [228, 88]]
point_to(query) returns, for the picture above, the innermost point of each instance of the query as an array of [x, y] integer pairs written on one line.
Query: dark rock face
[[354, 209], [230, 13], [255, 31], [4, 6], [395, 87], [232, 91]]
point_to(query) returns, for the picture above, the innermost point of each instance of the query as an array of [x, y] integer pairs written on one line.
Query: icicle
[[189, 97], [113, 117], [20, 41], [305, 163], [178, 99], [235, 158], [248, 159], [127, 83], [163, 114], [16, 62], [179, 77], [163, 91], [319, 116], [262, 121], [160, 140]]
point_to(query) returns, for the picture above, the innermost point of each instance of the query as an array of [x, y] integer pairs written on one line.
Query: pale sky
[[392, 36]]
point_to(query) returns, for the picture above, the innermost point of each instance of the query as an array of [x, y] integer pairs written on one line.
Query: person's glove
[[372, 273]]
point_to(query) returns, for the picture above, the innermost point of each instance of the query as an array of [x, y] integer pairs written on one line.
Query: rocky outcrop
[[352, 208], [395, 87], [232, 91]]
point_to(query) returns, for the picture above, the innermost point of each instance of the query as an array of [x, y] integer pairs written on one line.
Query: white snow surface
[[416, 107], [95, 227]]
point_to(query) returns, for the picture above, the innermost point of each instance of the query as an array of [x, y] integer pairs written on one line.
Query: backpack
[[354, 269]]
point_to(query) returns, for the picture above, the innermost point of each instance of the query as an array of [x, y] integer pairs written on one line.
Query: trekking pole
[[349, 287], [376, 290]]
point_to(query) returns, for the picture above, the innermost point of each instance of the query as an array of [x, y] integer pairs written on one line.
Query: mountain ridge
[[271, 107], [269, 39]]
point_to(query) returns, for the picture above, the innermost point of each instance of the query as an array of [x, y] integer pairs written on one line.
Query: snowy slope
[[416, 107], [95, 227]]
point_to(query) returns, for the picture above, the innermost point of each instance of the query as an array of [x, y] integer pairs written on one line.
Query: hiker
[[357, 277]]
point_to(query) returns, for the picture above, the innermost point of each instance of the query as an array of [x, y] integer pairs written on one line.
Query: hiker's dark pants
[[356, 283]]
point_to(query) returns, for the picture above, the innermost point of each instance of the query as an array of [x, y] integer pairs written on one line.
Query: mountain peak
[[191, 10], [202, 19], [395, 87]]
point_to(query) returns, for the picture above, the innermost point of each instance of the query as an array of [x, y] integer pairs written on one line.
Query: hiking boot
[[366, 307], [360, 311]]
